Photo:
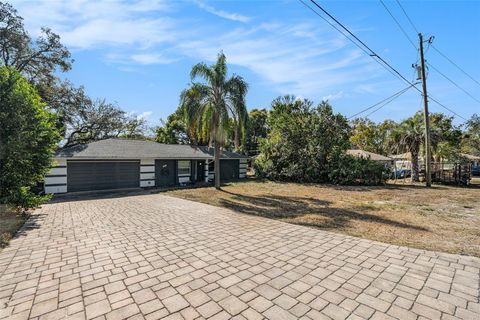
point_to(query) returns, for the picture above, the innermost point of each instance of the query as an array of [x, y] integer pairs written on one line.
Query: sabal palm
[[210, 105], [408, 137]]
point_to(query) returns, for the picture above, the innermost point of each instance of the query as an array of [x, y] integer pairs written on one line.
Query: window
[[184, 167]]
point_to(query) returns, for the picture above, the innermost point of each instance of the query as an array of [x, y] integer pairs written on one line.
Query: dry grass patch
[[442, 218], [10, 222]]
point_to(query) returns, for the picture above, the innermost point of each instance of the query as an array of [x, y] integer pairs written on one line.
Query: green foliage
[[174, 130], [371, 137], [212, 105], [256, 130], [446, 137], [347, 169], [36, 59], [409, 136], [28, 138], [471, 138], [302, 141], [81, 119]]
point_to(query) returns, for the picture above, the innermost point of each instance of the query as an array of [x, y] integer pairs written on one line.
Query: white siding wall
[[243, 168], [184, 177], [56, 179], [206, 174], [147, 173]]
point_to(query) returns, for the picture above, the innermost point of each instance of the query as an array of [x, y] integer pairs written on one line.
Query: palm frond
[[203, 71]]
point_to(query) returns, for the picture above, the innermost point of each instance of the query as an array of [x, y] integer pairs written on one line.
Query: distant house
[[474, 160], [118, 163], [370, 155]]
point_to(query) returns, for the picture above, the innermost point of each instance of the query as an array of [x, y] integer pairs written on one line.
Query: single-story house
[[387, 161], [474, 160], [118, 163]]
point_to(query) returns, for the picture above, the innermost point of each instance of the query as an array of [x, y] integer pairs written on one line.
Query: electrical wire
[[398, 24], [371, 53], [453, 82], [386, 101], [406, 15], [453, 63], [346, 36], [446, 108]]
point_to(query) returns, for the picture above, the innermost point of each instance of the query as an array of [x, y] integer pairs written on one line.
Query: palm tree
[[211, 105], [408, 137]]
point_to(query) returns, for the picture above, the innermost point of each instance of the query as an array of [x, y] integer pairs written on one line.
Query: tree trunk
[[415, 176], [236, 139], [217, 165]]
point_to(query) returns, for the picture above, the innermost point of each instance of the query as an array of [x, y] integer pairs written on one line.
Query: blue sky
[[139, 53]]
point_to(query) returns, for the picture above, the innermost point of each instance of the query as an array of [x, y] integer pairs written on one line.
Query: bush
[[308, 144], [347, 169], [28, 137], [301, 141]]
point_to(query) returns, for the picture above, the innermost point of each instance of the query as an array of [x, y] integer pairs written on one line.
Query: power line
[[406, 15], [387, 100], [399, 25], [456, 65], [453, 82], [447, 58], [371, 53], [383, 105], [345, 35], [445, 107]]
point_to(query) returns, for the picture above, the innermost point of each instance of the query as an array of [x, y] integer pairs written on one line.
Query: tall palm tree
[[211, 105]]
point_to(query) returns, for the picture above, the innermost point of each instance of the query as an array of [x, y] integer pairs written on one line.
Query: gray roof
[[138, 149], [367, 155], [225, 153]]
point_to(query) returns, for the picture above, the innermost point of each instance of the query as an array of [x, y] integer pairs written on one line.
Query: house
[[474, 160], [118, 163], [387, 161]]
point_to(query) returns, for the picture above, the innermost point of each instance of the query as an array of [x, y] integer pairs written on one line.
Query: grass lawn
[[9, 224], [443, 218]]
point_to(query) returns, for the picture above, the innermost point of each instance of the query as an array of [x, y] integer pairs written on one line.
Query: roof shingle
[[136, 149]]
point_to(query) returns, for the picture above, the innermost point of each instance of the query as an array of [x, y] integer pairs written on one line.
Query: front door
[[165, 173], [200, 170]]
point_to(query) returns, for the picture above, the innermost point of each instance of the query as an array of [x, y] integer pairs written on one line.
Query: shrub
[[28, 137], [308, 144], [347, 169]]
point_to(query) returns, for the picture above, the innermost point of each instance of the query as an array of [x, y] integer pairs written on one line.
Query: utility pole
[[428, 156]]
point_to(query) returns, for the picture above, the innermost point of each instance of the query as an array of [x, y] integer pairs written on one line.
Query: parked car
[[475, 170], [401, 173]]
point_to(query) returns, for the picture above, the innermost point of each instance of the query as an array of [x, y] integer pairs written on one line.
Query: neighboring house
[[118, 163], [403, 161], [387, 161], [474, 160]]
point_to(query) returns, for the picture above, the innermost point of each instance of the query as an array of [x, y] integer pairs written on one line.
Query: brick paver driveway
[[153, 256]]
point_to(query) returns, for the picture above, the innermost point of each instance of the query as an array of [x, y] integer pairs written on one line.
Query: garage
[[123, 163], [102, 175], [229, 169]]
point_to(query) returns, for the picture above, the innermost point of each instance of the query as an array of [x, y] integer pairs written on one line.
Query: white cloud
[[150, 58], [333, 96], [221, 13], [290, 57], [86, 24], [144, 115]]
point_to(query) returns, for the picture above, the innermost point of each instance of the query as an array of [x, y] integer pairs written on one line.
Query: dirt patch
[[10, 222], [443, 218]]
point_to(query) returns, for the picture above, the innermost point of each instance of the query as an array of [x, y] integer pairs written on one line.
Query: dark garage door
[[229, 169], [101, 175], [165, 175]]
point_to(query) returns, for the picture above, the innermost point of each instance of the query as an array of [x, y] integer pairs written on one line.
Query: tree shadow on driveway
[[306, 211]]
